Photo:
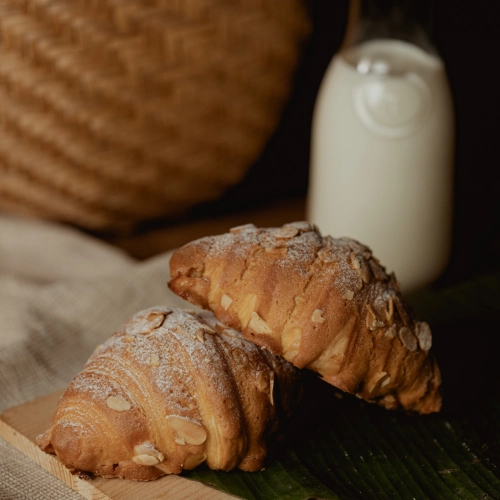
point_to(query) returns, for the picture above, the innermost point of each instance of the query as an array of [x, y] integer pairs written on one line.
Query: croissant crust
[[168, 391], [322, 303]]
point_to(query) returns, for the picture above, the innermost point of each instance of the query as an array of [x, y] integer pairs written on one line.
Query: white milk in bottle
[[382, 156]]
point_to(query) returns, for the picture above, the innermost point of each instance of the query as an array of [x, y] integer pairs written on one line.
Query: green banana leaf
[[340, 447]]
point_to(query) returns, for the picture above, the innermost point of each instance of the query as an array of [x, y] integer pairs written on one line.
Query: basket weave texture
[[114, 112]]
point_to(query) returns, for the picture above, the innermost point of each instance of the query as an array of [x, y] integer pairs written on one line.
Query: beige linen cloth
[[61, 294]]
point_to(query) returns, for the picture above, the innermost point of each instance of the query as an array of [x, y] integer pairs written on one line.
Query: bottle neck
[[407, 20]]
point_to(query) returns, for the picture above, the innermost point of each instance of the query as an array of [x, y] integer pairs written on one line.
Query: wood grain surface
[[20, 425]]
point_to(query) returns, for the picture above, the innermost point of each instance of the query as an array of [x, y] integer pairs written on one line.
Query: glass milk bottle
[[383, 144]]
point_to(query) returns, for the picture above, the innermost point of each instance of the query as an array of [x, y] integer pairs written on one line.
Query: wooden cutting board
[[20, 425]]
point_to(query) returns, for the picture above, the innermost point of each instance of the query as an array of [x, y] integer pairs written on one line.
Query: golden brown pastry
[[322, 303], [167, 392]]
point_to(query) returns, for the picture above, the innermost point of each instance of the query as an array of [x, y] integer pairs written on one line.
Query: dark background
[[468, 41]]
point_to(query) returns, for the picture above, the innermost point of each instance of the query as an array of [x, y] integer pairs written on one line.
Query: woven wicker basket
[[118, 111]]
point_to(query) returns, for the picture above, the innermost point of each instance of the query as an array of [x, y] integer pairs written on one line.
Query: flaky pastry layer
[[322, 303], [170, 390]]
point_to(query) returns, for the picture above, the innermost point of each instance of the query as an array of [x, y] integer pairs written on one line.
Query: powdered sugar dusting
[[283, 271], [220, 245], [300, 252], [295, 248], [147, 323], [64, 423], [335, 258], [176, 348]]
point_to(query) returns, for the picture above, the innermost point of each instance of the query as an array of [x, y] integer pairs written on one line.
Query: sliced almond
[[276, 250], [246, 305], [155, 318], [325, 255], [378, 380], [377, 270], [200, 335], [355, 245], [354, 261], [389, 402], [225, 302], [258, 325], [220, 328], [372, 311], [243, 228], [348, 295], [194, 460], [364, 273], [391, 332], [302, 226], [154, 360], [188, 430], [286, 232], [168, 469], [118, 403], [369, 318], [271, 388], [389, 313], [373, 322], [210, 330], [408, 339], [367, 254], [317, 316], [225, 331], [179, 329], [146, 325], [371, 315], [262, 382], [424, 336], [148, 449], [128, 338], [386, 382], [180, 441], [145, 460]]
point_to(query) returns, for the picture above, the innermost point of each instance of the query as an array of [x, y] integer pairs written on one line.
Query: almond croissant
[[167, 392], [322, 303]]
